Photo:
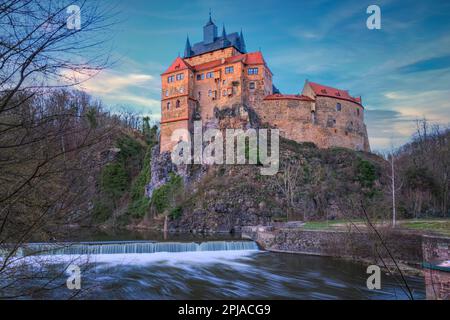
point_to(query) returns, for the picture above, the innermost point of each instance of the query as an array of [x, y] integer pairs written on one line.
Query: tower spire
[[225, 41], [188, 48], [210, 18], [242, 42]]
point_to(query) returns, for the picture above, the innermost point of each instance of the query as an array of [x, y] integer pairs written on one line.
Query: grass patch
[[318, 225], [438, 226]]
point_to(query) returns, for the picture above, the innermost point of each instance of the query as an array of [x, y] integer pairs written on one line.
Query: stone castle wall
[[317, 121]]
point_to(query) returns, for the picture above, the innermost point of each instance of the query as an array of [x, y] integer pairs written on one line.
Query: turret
[[209, 31]]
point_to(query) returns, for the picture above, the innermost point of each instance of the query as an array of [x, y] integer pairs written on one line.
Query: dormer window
[[338, 107], [323, 91], [338, 94]]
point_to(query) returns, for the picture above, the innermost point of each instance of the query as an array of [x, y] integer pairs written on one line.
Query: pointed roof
[[242, 42], [225, 40], [178, 65], [326, 91], [188, 48], [210, 22]]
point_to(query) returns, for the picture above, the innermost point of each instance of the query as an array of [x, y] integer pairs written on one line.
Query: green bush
[[366, 173], [140, 204], [163, 198], [176, 212], [114, 180]]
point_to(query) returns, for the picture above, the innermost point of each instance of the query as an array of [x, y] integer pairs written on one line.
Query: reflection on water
[[87, 234]]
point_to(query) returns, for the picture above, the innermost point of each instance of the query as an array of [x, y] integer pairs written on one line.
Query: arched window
[[168, 105], [338, 107], [178, 104]]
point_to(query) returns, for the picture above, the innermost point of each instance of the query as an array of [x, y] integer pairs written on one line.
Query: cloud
[[435, 63], [109, 82], [135, 91]]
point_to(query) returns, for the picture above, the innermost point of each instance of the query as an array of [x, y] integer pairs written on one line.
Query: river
[[201, 267]]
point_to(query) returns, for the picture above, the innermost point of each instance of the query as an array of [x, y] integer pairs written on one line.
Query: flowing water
[[191, 269]]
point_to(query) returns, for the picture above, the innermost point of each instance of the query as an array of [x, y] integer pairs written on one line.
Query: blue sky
[[402, 71]]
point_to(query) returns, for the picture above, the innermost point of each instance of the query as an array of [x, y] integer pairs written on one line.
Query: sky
[[402, 71]]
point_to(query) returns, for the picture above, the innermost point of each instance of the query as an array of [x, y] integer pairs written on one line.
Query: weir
[[130, 247]]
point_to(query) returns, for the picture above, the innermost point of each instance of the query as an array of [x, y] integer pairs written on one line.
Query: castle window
[[180, 76], [170, 79], [251, 86], [357, 112], [313, 117], [210, 75], [181, 89], [168, 105], [209, 93], [167, 93], [251, 71], [229, 70], [201, 76], [338, 107], [199, 95], [178, 104]]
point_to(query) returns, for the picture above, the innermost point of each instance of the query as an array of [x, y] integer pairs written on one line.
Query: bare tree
[[48, 137], [287, 180]]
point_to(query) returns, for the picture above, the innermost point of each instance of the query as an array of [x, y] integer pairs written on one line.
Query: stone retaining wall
[[437, 282], [405, 247]]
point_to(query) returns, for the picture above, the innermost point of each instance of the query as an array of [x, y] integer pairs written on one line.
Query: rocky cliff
[[312, 184]]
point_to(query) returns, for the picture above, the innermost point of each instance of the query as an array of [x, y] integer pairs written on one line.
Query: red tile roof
[[326, 91], [252, 58], [279, 96], [178, 65]]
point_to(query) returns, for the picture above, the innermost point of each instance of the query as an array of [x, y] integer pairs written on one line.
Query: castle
[[219, 82]]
